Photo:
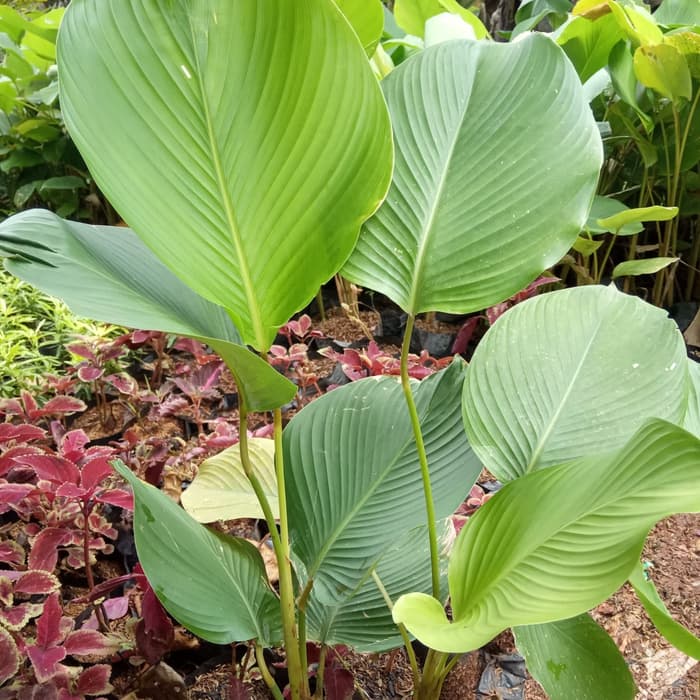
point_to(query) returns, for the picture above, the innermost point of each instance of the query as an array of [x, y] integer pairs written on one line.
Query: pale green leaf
[[575, 658], [214, 585], [107, 273], [624, 80], [586, 246], [688, 44], [244, 142], [470, 219], [663, 69], [557, 542], [221, 490], [681, 638], [678, 12], [367, 19], [569, 374], [647, 266], [637, 23], [352, 468], [617, 222], [446, 27], [480, 31], [605, 207]]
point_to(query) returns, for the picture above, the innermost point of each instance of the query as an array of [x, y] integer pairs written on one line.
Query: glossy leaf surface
[[569, 374], [221, 490], [575, 658], [556, 562], [214, 585], [353, 476], [469, 219], [367, 19], [108, 274], [250, 184]]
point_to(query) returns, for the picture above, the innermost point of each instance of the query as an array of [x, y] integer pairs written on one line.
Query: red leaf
[[52, 468], [82, 350], [46, 662], [339, 684], [13, 494], [116, 607], [238, 689], [44, 552], [9, 656], [155, 631], [21, 433], [9, 459], [16, 617], [493, 313], [6, 591], [94, 680], [117, 497], [37, 583], [123, 382], [62, 404], [71, 491], [84, 642], [90, 374], [464, 335], [48, 626], [95, 471]]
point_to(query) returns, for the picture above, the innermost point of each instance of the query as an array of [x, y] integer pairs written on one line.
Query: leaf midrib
[[225, 198], [425, 237]]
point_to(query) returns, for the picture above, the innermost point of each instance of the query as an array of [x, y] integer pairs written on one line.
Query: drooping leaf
[[108, 274], [352, 468], [468, 220], [556, 562], [249, 184], [575, 658], [681, 638], [605, 207], [360, 617], [221, 490], [214, 585], [367, 19], [589, 366], [646, 266]]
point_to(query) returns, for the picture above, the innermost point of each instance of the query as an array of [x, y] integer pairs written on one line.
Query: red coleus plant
[[27, 409], [373, 361], [301, 329]]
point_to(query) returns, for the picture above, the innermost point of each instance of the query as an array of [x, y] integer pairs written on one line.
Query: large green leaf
[[678, 12], [353, 476], [216, 586], [411, 15], [557, 542], [245, 142], [360, 617], [575, 658], [682, 638], [490, 186], [570, 374], [222, 491], [107, 273]]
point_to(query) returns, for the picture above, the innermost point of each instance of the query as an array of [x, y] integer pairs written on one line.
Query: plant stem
[[99, 612], [435, 670], [321, 307], [402, 629], [320, 673], [265, 673], [422, 456], [280, 541]]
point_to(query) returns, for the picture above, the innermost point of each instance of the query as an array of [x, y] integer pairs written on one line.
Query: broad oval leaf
[[664, 69], [569, 374], [245, 142], [487, 191], [108, 274], [565, 539], [353, 476], [646, 266], [216, 586], [602, 209], [221, 490], [617, 221], [575, 658]]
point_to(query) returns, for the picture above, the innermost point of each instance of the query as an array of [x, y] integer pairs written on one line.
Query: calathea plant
[[246, 144]]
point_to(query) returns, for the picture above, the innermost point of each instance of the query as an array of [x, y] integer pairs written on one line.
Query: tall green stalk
[[298, 681], [422, 457]]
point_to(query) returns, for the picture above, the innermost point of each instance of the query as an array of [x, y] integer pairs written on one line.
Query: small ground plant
[[244, 195]]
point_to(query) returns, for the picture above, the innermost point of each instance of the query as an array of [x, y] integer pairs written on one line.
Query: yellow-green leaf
[[663, 69]]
